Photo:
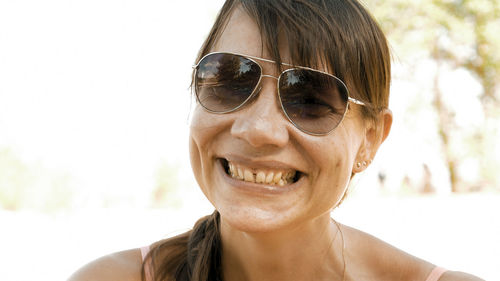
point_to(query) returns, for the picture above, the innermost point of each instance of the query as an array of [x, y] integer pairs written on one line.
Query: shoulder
[[459, 276], [373, 257], [123, 266], [370, 256]]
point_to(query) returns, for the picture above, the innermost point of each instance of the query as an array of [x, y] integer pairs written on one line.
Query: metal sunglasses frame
[[293, 67]]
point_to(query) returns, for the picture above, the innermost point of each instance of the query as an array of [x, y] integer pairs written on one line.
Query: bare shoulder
[[123, 266], [459, 276], [373, 257]]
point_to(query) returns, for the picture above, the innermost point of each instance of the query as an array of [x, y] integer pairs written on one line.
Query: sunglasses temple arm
[[356, 101]]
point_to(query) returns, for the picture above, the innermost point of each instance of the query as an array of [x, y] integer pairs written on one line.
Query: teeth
[[268, 177], [261, 177], [277, 177], [249, 176]]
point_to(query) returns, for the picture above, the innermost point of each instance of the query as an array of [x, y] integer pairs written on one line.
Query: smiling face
[[258, 170]]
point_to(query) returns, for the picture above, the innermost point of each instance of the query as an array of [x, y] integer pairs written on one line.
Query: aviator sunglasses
[[314, 101]]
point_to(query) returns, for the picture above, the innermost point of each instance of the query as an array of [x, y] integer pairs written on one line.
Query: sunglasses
[[314, 101]]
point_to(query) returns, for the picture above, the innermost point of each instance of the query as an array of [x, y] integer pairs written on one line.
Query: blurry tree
[[165, 193], [15, 180], [27, 186], [454, 34]]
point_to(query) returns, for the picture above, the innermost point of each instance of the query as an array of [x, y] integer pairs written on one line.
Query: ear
[[375, 134]]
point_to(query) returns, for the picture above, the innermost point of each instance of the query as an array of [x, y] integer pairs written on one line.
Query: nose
[[261, 123]]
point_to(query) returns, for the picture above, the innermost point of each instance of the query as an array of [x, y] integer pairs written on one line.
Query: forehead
[[242, 35]]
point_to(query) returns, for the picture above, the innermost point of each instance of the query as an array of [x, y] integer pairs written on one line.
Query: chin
[[253, 219]]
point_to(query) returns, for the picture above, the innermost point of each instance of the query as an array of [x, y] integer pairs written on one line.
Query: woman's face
[[259, 139]]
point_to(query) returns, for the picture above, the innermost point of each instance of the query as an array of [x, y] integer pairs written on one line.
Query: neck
[[309, 251]]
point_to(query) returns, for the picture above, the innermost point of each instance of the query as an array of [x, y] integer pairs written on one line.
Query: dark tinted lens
[[225, 81], [315, 102]]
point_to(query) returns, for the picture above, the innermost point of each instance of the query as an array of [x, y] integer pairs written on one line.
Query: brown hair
[[338, 34]]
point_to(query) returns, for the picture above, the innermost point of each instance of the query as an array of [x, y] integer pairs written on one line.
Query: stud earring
[[364, 163], [358, 164]]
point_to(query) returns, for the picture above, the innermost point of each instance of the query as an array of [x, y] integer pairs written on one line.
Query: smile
[[269, 176]]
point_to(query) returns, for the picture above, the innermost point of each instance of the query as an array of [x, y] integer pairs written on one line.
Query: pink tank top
[[147, 267], [436, 274], [433, 276]]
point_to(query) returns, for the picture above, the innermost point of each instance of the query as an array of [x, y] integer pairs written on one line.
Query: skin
[[265, 234]]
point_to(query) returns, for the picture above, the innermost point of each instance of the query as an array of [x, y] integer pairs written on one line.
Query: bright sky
[[99, 88]]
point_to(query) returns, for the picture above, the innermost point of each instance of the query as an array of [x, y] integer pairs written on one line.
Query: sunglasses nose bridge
[[270, 76], [277, 84]]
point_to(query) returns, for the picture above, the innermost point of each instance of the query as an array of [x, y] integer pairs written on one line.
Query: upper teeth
[[278, 177]]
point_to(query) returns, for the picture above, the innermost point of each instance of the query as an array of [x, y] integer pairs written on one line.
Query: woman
[[292, 103]]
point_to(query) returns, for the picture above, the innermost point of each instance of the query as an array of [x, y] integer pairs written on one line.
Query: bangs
[[321, 47]]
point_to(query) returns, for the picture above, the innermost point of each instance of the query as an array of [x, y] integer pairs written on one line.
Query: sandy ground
[[456, 232]]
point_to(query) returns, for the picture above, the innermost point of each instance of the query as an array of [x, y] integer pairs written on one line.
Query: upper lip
[[259, 163]]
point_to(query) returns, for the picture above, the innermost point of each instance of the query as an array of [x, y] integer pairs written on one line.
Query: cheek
[[337, 179], [345, 151], [334, 159], [206, 129], [195, 158], [202, 129], [338, 166], [348, 145], [199, 166], [343, 169], [336, 155], [199, 133], [206, 126]]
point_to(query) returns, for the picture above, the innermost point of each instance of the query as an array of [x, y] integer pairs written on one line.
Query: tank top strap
[[436, 273], [147, 266]]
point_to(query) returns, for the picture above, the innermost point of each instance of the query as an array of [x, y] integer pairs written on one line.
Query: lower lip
[[257, 188]]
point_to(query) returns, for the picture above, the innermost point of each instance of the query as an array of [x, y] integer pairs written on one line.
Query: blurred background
[[94, 116]]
